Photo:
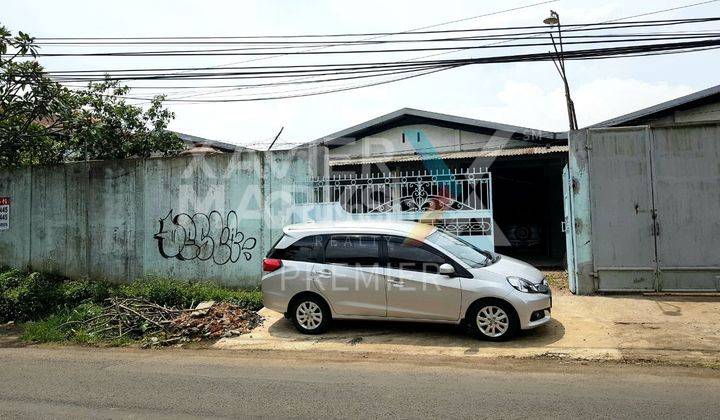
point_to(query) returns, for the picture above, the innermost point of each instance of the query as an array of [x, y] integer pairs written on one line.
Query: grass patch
[[183, 294], [47, 330], [49, 308], [63, 325]]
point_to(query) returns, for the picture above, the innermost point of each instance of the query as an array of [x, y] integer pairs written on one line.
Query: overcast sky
[[527, 94]]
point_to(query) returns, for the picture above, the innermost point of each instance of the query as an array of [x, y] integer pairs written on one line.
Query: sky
[[525, 94]]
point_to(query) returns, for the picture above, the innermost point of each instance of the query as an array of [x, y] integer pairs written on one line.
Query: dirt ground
[[681, 330], [672, 329]]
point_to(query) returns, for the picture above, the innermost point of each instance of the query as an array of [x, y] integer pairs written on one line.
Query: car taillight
[[271, 264]]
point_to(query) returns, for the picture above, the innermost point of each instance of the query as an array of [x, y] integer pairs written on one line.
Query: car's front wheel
[[493, 320], [310, 314]]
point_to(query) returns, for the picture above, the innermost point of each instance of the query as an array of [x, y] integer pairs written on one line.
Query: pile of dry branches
[[136, 318], [130, 317]]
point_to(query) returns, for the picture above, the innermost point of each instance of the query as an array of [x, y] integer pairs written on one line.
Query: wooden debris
[[137, 318]]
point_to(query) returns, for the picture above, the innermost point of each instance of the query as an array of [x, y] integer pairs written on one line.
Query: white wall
[[436, 139]]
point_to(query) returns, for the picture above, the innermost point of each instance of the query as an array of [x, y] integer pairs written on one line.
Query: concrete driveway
[[669, 329]]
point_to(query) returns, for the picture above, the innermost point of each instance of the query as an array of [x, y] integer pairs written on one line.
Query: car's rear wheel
[[310, 314], [493, 320]]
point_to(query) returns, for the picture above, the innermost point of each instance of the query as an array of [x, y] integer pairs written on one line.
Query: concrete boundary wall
[[204, 217]]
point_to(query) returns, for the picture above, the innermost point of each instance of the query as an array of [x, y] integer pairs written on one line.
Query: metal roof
[[406, 116], [655, 111], [191, 141], [525, 151]]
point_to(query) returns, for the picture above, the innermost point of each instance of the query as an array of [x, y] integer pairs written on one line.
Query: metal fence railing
[[421, 191]]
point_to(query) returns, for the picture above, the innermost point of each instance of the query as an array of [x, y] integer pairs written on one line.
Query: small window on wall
[[353, 250]]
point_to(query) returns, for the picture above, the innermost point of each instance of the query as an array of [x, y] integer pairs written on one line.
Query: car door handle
[[397, 282], [323, 273]]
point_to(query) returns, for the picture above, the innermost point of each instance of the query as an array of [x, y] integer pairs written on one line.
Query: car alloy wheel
[[309, 315], [492, 321]]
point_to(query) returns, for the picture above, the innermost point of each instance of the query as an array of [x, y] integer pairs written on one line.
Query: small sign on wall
[[4, 213]]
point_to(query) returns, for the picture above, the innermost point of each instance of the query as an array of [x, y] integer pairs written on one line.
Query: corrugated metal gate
[[655, 207]]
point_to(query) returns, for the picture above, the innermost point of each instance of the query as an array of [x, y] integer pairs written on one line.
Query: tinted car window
[[468, 253], [363, 250], [305, 249], [409, 254]]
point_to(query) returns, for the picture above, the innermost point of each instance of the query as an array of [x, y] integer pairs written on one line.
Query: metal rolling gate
[[459, 201], [655, 207]]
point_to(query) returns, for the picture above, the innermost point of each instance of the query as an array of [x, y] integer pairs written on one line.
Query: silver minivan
[[392, 270]]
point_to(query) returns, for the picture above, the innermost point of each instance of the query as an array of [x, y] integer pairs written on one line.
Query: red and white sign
[[4, 213]]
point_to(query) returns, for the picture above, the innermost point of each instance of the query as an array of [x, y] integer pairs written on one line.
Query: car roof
[[396, 227]]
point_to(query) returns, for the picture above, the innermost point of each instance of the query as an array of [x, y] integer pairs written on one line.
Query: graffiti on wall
[[204, 236]]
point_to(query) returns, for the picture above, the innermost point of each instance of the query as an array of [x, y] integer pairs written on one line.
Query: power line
[[254, 51], [613, 21], [190, 39], [502, 37], [569, 55], [406, 69], [419, 30], [497, 12]]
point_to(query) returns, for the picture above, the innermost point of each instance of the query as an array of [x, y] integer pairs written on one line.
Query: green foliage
[[47, 330], [58, 305], [42, 122], [26, 296], [185, 294], [106, 127], [29, 296], [75, 292], [63, 325]]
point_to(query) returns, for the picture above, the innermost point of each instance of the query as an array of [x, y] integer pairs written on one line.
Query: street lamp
[[552, 20]]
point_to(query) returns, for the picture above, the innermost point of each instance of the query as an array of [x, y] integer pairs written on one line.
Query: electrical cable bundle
[[358, 57]]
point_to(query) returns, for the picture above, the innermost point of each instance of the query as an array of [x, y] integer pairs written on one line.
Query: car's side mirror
[[446, 269]]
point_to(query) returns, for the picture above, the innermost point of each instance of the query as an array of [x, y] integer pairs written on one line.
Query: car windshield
[[465, 251]]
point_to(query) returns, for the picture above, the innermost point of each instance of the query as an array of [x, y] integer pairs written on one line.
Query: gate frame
[[582, 266]]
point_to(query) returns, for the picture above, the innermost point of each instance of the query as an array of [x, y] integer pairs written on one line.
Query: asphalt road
[[118, 383]]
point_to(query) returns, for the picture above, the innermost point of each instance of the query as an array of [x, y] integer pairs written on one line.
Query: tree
[[43, 122], [104, 126]]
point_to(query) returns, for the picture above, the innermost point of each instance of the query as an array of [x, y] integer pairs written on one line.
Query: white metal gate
[[459, 201]]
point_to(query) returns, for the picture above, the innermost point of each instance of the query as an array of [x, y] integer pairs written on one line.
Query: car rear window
[[306, 249]]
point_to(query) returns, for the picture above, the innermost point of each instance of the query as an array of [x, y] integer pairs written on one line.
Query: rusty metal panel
[[686, 162], [580, 258], [621, 206], [568, 227]]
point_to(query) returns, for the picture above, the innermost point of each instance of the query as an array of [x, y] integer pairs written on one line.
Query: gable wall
[[433, 139]]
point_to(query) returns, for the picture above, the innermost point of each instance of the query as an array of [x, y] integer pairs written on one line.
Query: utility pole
[[552, 20]]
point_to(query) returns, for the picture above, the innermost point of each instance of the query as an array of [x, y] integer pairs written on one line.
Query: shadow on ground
[[416, 334], [10, 336]]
